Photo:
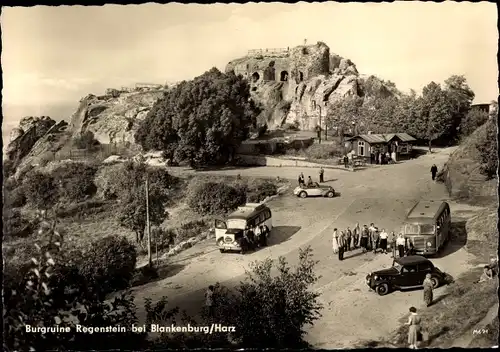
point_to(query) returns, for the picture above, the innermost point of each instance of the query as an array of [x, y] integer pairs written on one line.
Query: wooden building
[[398, 145]]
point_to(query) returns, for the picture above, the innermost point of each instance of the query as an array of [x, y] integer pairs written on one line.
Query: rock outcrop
[[23, 138], [297, 84]]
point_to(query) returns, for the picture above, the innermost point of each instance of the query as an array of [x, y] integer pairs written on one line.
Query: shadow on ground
[[281, 234], [457, 239], [147, 275]]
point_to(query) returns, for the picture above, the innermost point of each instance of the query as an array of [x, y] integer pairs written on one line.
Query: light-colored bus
[[427, 226], [244, 223]]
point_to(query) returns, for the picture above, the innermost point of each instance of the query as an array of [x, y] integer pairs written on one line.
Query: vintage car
[[314, 190], [405, 273]]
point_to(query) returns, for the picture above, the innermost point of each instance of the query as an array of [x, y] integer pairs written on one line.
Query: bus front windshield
[[427, 229], [423, 229]]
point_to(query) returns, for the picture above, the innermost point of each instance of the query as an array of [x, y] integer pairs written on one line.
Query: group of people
[[379, 158], [310, 182], [369, 239], [256, 237]]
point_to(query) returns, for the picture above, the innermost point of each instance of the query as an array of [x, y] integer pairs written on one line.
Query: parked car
[[314, 190], [407, 272]]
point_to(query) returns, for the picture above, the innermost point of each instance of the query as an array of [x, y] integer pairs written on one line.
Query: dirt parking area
[[351, 313]]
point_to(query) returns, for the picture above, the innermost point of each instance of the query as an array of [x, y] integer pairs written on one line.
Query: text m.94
[[480, 331]]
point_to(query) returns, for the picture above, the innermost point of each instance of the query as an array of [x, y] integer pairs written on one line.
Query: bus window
[[262, 218], [427, 229], [268, 214]]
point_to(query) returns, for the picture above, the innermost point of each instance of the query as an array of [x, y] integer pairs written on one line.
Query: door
[[220, 229], [423, 270], [409, 276], [361, 148]]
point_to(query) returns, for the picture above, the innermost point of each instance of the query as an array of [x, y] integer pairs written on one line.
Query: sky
[[53, 56]]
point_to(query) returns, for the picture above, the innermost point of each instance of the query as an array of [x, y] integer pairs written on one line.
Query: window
[[262, 218], [424, 267], [427, 229], [411, 229], [361, 148], [409, 269], [268, 214]]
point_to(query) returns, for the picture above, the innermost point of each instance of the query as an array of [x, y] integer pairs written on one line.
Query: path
[[351, 312]]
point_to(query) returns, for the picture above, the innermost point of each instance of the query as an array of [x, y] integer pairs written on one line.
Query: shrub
[[215, 198], [14, 224], [50, 291], [163, 238], [109, 264], [40, 189], [488, 150], [190, 229], [323, 151], [14, 198], [76, 181], [259, 190], [85, 140]]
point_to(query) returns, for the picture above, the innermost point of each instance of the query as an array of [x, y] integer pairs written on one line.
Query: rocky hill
[[295, 85]]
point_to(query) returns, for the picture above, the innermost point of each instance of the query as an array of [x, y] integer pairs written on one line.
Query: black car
[[405, 273]]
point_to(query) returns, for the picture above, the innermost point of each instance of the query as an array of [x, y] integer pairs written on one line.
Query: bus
[[230, 234], [427, 226]]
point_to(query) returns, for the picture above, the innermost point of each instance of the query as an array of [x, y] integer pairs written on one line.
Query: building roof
[[425, 209], [383, 138], [247, 211], [412, 259]]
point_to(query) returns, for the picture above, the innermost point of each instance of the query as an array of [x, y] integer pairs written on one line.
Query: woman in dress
[[414, 323], [357, 232], [335, 241], [428, 290], [383, 241]]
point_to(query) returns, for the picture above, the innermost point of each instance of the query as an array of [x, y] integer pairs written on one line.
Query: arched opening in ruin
[[255, 76], [284, 76], [301, 76]]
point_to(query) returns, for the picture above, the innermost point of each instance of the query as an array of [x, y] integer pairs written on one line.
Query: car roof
[[412, 259], [425, 209], [247, 211]]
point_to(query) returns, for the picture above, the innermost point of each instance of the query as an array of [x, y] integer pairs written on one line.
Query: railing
[[268, 51]]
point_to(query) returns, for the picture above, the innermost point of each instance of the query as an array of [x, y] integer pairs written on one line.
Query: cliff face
[[297, 84], [23, 138], [113, 118]]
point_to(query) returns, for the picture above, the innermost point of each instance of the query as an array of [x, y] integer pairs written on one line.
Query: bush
[[472, 121], [212, 198], [259, 190], [190, 229], [76, 181], [50, 291], [14, 198], [323, 151], [109, 264], [14, 224], [85, 140], [163, 238], [488, 150], [40, 189]]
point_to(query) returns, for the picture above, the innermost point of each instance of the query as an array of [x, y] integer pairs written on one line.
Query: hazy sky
[[56, 55]]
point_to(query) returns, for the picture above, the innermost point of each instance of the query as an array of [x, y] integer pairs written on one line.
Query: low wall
[[262, 160]]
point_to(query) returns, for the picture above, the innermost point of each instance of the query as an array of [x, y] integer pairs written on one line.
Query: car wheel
[[330, 194], [435, 282], [303, 194], [382, 289]]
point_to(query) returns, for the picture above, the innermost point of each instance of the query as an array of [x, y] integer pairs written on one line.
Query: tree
[[133, 212], [85, 140], [342, 113], [201, 121], [472, 121], [461, 97], [435, 117], [488, 149]]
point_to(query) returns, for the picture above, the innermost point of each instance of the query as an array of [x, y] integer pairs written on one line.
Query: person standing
[[321, 175], [356, 234], [364, 238], [346, 161], [434, 171], [393, 244], [370, 238], [428, 290], [302, 180], [383, 241], [348, 239], [375, 240], [341, 245], [414, 323], [401, 244], [335, 241], [209, 301]]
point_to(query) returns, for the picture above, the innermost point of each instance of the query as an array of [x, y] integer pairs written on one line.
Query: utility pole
[[148, 225], [319, 134]]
